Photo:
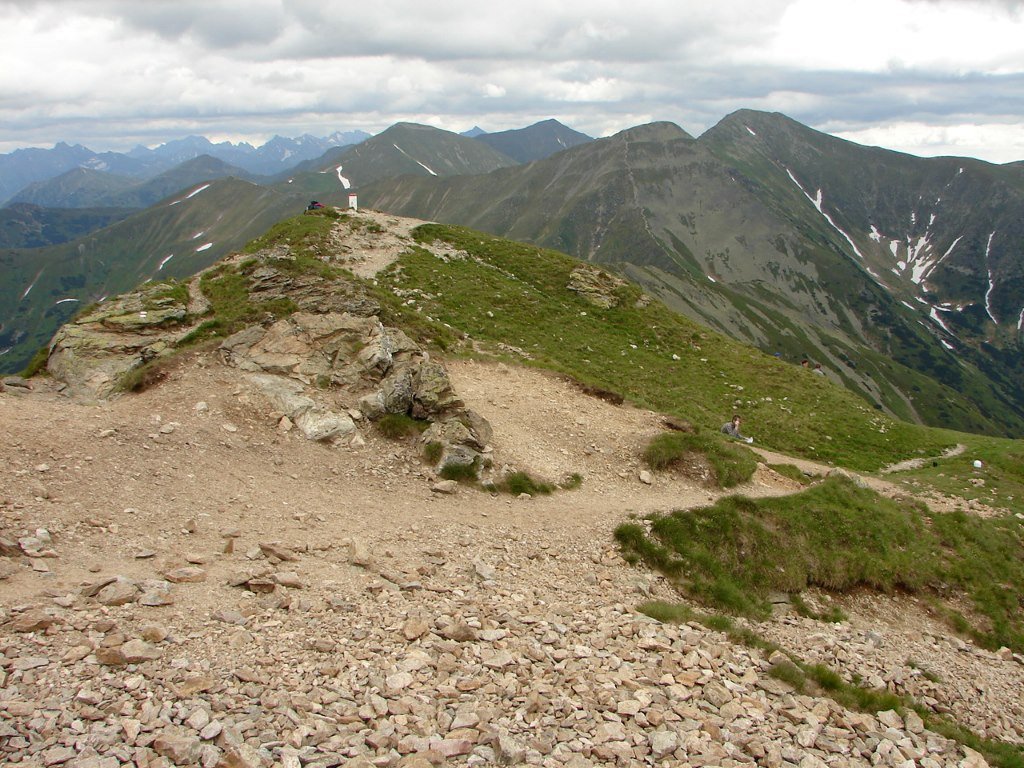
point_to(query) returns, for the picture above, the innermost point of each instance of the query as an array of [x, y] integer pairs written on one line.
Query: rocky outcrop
[[595, 285], [322, 368], [317, 368], [94, 353]]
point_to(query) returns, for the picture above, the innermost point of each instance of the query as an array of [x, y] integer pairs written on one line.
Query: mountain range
[[25, 167], [903, 276]]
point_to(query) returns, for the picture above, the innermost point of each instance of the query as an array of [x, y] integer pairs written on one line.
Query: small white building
[[353, 201]]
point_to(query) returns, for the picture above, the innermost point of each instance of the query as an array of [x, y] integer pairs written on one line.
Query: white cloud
[[109, 73]]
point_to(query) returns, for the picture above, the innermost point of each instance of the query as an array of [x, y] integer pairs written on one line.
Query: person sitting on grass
[[732, 429]]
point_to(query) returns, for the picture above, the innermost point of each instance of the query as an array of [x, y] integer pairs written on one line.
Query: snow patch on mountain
[[817, 201], [750, 130], [344, 181], [934, 315], [32, 284], [63, 301], [421, 165], [204, 247], [195, 192], [991, 282], [165, 260]]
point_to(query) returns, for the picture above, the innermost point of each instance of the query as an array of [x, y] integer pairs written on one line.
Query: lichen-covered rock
[[595, 285], [94, 353]]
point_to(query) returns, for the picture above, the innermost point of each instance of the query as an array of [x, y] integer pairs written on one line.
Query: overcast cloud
[[928, 77]]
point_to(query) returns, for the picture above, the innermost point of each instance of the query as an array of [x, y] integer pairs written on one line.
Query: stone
[[177, 746], [277, 551], [187, 574], [663, 743], [414, 628], [33, 621], [119, 592], [136, 651], [448, 487]]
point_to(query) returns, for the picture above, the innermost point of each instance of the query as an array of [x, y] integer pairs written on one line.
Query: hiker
[[818, 370], [314, 205], [732, 429]]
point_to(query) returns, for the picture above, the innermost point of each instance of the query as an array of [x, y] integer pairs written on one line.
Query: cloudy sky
[[929, 77]]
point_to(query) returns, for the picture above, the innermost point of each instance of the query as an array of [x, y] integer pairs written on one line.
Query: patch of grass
[[144, 376], [432, 452], [505, 296], [838, 537], [731, 464], [398, 426], [37, 364], [232, 306], [832, 615], [791, 471], [298, 233], [999, 482], [669, 613], [463, 473], [517, 483], [167, 292], [790, 674]]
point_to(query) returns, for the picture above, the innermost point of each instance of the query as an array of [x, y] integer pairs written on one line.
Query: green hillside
[[732, 241], [44, 287]]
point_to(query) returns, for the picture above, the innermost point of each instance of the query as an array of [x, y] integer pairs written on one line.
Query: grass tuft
[[398, 426], [730, 464], [518, 483]]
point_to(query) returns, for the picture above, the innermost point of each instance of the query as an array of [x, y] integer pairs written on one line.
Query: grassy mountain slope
[[23, 225], [535, 142], [658, 205], [43, 287], [404, 149], [77, 188]]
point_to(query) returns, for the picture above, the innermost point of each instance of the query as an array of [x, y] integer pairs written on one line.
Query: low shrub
[[517, 483], [398, 426], [731, 464], [464, 473]]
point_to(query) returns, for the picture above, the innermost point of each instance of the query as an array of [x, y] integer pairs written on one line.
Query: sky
[[928, 77]]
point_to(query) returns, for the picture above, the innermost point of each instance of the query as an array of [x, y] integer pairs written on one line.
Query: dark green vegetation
[[730, 464], [400, 426], [516, 483], [727, 230], [29, 226], [838, 537]]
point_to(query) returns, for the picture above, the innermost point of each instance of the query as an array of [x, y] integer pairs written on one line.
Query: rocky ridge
[[184, 580]]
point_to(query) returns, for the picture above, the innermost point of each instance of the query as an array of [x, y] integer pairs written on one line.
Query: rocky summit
[[235, 567]]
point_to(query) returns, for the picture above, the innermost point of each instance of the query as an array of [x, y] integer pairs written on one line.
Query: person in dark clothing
[[732, 429]]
